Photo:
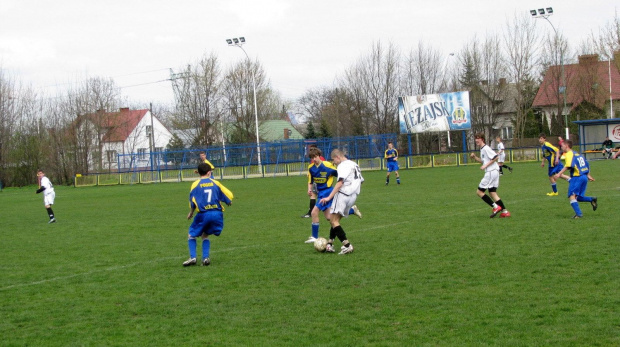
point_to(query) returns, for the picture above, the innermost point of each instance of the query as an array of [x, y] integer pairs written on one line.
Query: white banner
[[434, 112]]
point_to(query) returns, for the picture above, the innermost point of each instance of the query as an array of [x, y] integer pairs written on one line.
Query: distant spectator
[[608, 147]]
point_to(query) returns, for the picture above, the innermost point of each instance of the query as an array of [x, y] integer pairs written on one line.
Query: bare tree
[[520, 39], [198, 96]]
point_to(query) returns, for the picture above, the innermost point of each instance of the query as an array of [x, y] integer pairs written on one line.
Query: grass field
[[429, 268]]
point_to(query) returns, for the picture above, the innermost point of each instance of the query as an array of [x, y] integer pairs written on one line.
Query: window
[[141, 153], [149, 129], [507, 133], [111, 155], [159, 149]]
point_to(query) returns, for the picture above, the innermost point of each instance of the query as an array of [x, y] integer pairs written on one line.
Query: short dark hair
[[203, 169], [569, 143], [480, 136], [314, 152], [543, 136]]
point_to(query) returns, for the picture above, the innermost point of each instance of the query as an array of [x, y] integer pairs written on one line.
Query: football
[[320, 244]]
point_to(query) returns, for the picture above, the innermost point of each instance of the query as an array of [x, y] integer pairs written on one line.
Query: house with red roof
[[126, 131], [590, 84]]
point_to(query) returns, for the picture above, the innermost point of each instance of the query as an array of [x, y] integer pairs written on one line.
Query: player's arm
[[192, 208], [227, 194], [475, 157], [334, 191], [40, 190], [395, 154], [493, 160]]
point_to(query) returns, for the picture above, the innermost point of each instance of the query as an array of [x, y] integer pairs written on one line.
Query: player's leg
[[48, 201], [206, 250], [397, 177], [311, 206], [574, 187], [387, 178], [501, 165], [499, 202], [195, 230], [552, 180]]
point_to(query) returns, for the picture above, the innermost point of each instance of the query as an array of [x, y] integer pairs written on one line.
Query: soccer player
[[391, 158], [502, 156], [46, 186], [313, 195], [490, 181], [579, 170], [342, 198], [552, 154], [203, 159], [206, 197]]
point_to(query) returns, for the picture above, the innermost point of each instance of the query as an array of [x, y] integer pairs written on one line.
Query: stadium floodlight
[[239, 42], [562, 89]]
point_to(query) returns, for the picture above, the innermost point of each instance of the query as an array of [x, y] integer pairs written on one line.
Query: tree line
[[211, 102]]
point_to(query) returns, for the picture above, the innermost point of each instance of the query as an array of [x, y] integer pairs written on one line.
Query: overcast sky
[[301, 44]]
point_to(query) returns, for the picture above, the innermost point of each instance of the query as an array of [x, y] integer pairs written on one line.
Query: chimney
[[588, 59], [286, 133], [124, 109]]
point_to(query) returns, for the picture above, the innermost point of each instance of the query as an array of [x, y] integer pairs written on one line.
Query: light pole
[[239, 42], [545, 13]]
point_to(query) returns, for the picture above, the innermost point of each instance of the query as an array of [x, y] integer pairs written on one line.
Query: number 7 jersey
[[207, 194]]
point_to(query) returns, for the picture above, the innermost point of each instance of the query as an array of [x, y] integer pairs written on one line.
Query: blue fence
[[272, 153]]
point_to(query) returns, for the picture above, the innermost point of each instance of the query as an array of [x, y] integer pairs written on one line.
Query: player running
[[579, 170], [46, 186]]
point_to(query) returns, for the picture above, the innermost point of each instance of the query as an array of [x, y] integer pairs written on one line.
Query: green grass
[[429, 268]]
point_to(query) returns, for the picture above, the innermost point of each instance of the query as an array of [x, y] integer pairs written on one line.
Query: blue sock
[[554, 187], [315, 230], [351, 211], [206, 247], [575, 205], [584, 199], [192, 247]]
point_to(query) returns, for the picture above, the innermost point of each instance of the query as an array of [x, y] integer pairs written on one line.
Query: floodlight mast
[[239, 42], [545, 13]]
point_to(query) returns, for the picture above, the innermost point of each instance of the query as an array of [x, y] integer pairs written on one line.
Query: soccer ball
[[320, 244]]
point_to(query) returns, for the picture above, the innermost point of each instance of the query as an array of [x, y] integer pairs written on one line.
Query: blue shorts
[[555, 169], [577, 185], [392, 166], [320, 195], [210, 223]]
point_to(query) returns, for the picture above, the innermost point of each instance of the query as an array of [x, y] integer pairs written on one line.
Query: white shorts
[[48, 199], [490, 180], [342, 204], [502, 158]]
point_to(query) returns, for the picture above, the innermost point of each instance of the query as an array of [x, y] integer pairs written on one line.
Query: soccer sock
[[315, 230], [191, 243], [500, 204], [575, 205], [500, 170], [487, 199], [398, 180], [206, 248], [584, 198], [312, 203], [342, 236], [332, 234], [387, 180], [554, 187], [50, 212]]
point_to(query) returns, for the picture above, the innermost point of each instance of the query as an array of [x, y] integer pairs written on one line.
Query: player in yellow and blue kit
[[552, 154], [322, 174], [206, 197], [579, 170], [391, 158]]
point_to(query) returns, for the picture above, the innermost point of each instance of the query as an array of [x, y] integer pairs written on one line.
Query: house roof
[[586, 81], [117, 125], [273, 130]]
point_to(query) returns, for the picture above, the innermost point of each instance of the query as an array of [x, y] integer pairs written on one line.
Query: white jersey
[[501, 152], [351, 175], [47, 184], [487, 154]]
